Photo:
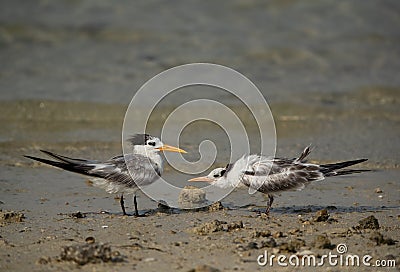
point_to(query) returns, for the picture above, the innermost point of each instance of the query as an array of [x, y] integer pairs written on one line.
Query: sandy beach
[[329, 71]]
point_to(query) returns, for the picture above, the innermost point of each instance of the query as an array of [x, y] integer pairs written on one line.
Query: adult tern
[[145, 164], [273, 175]]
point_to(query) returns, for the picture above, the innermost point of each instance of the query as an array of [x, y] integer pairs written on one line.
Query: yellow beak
[[201, 179], [171, 148]]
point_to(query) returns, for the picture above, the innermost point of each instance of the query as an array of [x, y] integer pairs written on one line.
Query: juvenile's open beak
[[171, 148], [201, 179]]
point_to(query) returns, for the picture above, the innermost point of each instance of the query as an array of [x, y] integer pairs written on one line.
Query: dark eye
[[151, 143], [223, 172], [216, 176]]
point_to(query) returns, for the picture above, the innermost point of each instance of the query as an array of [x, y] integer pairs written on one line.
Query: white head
[[148, 145], [217, 177]]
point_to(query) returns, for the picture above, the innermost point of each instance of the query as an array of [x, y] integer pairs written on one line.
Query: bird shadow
[[250, 208], [314, 208]]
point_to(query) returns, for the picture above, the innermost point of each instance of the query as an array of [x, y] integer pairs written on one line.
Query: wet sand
[[178, 240]]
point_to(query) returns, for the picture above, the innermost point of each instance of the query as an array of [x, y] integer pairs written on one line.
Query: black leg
[[121, 200], [269, 203], [135, 203]]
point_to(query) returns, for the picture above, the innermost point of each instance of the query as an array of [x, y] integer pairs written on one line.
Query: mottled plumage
[[273, 175]]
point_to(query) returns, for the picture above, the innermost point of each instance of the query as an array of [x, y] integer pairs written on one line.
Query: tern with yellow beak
[[120, 174], [274, 175]]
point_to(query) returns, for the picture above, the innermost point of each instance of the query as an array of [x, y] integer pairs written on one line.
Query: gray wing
[[295, 177], [274, 175], [260, 165], [142, 170]]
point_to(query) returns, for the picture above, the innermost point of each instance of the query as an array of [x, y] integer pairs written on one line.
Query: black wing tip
[[46, 152], [358, 161]]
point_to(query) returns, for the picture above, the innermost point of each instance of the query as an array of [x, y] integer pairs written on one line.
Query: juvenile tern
[[273, 175], [145, 164]]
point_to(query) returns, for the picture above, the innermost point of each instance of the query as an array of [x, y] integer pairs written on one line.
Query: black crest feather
[[228, 167], [139, 139]]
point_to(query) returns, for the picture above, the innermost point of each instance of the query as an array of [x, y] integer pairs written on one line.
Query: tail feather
[[64, 158], [330, 169], [66, 164], [304, 154], [346, 172]]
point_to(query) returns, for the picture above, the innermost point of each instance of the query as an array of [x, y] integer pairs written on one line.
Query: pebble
[[277, 234], [260, 233], [293, 246], [204, 268], [341, 232], [215, 226], [191, 197], [270, 242], [321, 241], [10, 217], [378, 238], [215, 207], [321, 216], [89, 253], [90, 240], [77, 215], [368, 223]]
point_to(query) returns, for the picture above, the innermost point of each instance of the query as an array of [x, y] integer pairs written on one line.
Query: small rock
[[321, 241], [378, 238], [321, 216], [77, 215], [163, 206], [90, 240], [262, 233], [270, 242], [378, 190], [215, 226], [294, 231], [204, 268], [191, 197], [89, 253], [277, 234], [339, 232], [209, 227], [234, 226], [293, 246], [10, 217], [150, 259], [368, 223], [217, 206], [249, 246], [43, 260]]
